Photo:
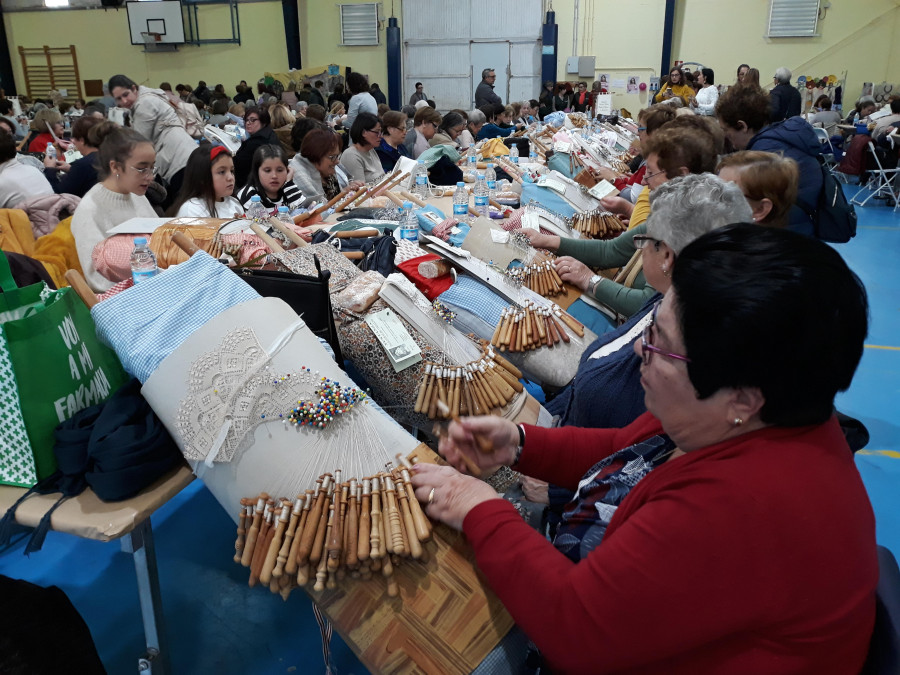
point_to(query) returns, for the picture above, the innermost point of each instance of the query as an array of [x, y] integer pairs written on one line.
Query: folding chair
[[881, 182], [822, 135]]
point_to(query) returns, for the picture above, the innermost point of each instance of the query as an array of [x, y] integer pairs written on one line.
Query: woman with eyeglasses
[[258, 124], [452, 125], [153, 117], [360, 160], [425, 125], [316, 170], [126, 166], [676, 86], [393, 132], [727, 529]]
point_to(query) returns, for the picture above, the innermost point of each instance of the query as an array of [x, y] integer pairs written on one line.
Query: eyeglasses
[[648, 176], [641, 241], [375, 131], [647, 349], [144, 171], [333, 158], [642, 128], [251, 120]]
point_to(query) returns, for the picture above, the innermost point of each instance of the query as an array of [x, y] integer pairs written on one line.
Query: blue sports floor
[[216, 624]]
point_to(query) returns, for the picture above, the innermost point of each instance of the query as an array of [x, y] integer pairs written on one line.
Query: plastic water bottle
[[532, 153], [50, 152], [490, 177], [472, 159], [481, 197], [409, 224], [461, 203], [421, 176], [284, 215], [514, 153], [257, 212], [143, 262]]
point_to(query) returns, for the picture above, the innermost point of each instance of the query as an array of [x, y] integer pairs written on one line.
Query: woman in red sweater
[[727, 529]]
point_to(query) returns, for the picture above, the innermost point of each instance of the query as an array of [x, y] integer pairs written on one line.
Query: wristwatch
[[593, 283]]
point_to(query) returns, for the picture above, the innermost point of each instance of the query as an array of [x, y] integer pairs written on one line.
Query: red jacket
[[756, 555]]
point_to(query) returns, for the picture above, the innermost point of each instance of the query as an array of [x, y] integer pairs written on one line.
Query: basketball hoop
[[150, 39]]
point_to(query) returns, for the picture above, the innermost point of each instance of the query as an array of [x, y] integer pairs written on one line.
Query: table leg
[[139, 542]]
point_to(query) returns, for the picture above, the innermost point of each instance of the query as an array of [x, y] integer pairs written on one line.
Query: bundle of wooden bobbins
[[353, 528], [598, 224], [480, 387], [577, 121], [531, 327], [539, 277]]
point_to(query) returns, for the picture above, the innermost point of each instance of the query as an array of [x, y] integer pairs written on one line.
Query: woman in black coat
[[257, 123]]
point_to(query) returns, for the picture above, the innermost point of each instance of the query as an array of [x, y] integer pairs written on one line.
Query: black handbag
[[306, 295]]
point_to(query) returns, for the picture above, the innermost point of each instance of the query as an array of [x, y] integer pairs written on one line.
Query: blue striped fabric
[[476, 298], [147, 322]]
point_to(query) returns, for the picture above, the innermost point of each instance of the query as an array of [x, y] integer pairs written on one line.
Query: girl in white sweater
[[126, 162], [208, 186]]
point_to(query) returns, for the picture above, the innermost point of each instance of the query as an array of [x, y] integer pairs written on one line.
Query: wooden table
[[89, 517]]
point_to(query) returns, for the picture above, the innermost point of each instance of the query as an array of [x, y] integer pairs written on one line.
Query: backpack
[[833, 217]]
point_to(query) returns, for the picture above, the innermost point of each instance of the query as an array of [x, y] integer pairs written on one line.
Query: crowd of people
[[683, 540]]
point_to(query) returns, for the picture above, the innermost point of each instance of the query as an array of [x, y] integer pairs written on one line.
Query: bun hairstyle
[[115, 144]]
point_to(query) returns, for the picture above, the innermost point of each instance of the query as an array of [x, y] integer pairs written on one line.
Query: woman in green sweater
[[670, 153]]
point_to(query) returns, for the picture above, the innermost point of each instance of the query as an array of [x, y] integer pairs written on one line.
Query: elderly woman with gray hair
[[606, 391], [473, 126]]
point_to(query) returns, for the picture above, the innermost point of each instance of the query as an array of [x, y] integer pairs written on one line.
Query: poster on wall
[[618, 83], [654, 84], [633, 84], [604, 80]]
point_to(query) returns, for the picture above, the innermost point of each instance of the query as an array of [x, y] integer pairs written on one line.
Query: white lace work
[[231, 390]]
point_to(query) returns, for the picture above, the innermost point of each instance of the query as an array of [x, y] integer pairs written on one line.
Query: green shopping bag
[[51, 366]]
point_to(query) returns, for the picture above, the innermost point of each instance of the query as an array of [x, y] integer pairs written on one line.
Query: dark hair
[[219, 106], [357, 83], [198, 181], [534, 103], [773, 309], [374, 87], [338, 89], [364, 122], [114, 143], [94, 107], [488, 111], [676, 148], [7, 145], [264, 118], [319, 143], [823, 102], [709, 75], [8, 123], [747, 104], [316, 111], [121, 81], [419, 84], [895, 106], [301, 127], [263, 153], [165, 86], [201, 83], [319, 84], [431, 103], [5, 106], [451, 119], [743, 65], [82, 126]]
